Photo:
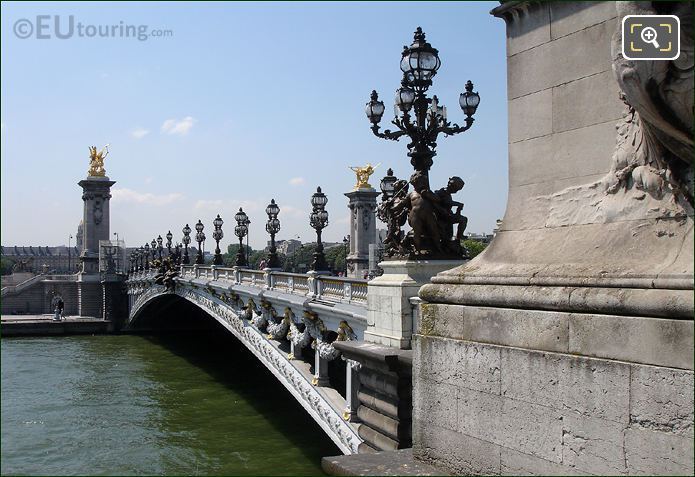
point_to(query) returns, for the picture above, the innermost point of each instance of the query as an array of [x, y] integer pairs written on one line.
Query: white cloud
[[290, 211], [208, 204], [132, 196], [297, 181], [180, 127], [139, 133]]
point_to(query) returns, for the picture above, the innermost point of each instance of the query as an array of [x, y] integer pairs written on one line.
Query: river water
[[197, 404]]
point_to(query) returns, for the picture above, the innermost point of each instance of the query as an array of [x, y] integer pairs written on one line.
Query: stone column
[[352, 388], [362, 229], [96, 224], [95, 227], [115, 300], [320, 370]]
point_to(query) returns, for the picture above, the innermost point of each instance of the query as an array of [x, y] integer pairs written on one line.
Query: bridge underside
[[171, 312], [191, 308]]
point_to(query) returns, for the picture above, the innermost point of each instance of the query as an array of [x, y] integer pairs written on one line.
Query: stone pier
[[566, 347], [362, 206]]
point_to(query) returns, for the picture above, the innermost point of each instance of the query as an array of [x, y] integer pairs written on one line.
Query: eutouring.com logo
[[48, 27]]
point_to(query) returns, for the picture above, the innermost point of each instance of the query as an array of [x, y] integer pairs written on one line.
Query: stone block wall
[[566, 347], [36, 299], [384, 407], [506, 391], [90, 297]]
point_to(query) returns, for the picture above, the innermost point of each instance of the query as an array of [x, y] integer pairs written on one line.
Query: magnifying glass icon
[[648, 35]]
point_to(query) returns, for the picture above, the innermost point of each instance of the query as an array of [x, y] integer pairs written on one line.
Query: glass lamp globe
[[272, 210], [469, 100], [374, 108]]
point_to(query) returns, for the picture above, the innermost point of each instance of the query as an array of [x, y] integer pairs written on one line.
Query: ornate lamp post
[[159, 246], [177, 253], [240, 231], [141, 258], [147, 256], [217, 234], [169, 239], [200, 238], [273, 227], [346, 243], [318, 221], [387, 184], [186, 241], [153, 243], [422, 119]]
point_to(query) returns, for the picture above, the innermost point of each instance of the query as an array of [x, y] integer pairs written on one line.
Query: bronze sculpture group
[[430, 217]]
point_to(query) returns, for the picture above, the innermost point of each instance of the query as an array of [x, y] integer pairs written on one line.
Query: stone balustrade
[[321, 287]]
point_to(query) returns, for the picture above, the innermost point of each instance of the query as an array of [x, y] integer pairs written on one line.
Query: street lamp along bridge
[[422, 120]]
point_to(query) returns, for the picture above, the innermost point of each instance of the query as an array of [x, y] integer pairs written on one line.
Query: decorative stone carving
[[324, 344], [655, 149], [277, 327], [651, 175], [97, 211], [299, 335]]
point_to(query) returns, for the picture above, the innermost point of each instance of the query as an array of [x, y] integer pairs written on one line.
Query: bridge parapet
[[322, 287]]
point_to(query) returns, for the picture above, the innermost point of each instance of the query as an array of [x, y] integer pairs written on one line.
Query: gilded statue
[[96, 161], [363, 174]]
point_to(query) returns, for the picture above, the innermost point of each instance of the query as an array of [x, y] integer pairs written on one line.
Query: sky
[[228, 105]]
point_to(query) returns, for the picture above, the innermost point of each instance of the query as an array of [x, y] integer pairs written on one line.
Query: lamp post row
[[418, 117], [143, 257]]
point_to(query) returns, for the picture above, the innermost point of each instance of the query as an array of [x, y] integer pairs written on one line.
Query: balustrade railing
[[323, 287]]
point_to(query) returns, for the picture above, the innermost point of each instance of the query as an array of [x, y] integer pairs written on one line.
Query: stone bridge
[[283, 319]]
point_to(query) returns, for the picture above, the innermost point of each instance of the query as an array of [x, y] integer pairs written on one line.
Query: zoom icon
[[651, 37]]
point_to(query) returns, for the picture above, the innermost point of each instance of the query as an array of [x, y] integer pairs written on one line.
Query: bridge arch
[[237, 317]]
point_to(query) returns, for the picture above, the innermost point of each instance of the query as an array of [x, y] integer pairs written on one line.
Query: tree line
[[297, 262]]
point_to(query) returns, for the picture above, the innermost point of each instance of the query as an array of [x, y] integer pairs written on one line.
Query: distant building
[[287, 247], [42, 258], [60, 259], [482, 238]]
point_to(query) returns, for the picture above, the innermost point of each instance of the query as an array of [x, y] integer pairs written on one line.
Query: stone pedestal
[[115, 300], [362, 229], [96, 224], [384, 397], [566, 347], [389, 309], [90, 295]]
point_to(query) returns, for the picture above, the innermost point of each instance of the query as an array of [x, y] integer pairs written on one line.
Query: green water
[[173, 404]]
